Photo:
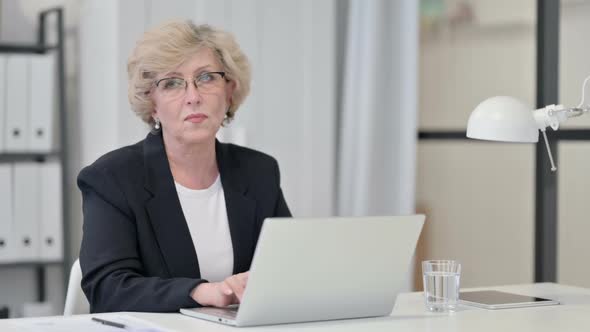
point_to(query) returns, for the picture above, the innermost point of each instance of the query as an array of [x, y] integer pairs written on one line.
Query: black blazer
[[137, 253]]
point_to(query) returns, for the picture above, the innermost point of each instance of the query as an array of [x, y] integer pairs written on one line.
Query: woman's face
[[192, 112]]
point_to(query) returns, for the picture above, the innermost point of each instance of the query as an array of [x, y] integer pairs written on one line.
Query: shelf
[[570, 134], [25, 48], [562, 134], [30, 264], [61, 153], [27, 156], [441, 134]]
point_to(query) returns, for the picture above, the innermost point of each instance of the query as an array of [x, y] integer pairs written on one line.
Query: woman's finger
[[236, 285]]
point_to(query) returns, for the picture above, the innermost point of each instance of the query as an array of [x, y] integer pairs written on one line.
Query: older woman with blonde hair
[[172, 221]]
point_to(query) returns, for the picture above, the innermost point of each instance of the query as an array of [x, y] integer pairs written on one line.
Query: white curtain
[[377, 135]]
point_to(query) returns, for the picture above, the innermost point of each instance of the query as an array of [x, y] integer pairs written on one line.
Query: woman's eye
[[207, 77], [173, 84]]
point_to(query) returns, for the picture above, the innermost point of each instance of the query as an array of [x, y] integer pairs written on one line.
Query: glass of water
[[441, 284]]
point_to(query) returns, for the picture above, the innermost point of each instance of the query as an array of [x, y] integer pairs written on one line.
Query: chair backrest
[[76, 302]]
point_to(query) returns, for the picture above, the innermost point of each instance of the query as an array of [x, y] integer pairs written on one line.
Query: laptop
[[315, 269]]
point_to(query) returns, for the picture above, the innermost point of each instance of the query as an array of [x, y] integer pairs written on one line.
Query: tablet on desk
[[490, 299]]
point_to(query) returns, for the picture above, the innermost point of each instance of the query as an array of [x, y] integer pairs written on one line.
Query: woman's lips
[[196, 118]]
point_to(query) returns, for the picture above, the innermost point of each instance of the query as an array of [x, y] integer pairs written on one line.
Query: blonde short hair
[[164, 48]]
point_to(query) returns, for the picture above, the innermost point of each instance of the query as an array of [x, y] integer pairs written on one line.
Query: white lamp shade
[[503, 118]]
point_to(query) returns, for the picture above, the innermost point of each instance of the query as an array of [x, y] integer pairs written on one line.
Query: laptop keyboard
[[228, 313]]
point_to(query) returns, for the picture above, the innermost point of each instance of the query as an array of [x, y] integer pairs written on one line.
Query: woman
[[173, 220]]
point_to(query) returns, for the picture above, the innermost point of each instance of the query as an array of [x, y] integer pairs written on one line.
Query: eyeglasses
[[174, 87]]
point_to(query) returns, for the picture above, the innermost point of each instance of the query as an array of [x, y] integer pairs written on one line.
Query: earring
[[157, 126], [227, 113]]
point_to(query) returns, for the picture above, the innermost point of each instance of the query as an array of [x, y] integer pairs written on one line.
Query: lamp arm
[[553, 167], [552, 116], [575, 111]]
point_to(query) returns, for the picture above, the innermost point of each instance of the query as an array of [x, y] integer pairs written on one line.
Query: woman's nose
[[192, 93]]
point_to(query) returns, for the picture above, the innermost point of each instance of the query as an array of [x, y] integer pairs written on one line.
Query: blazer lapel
[[165, 212], [168, 220], [241, 209]]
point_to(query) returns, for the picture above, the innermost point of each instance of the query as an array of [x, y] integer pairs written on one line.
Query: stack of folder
[[31, 212], [28, 100], [30, 192]]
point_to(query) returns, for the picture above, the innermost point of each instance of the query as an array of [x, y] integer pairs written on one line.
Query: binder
[[42, 97], [2, 100], [51, 239], [26, 210], [6, 202], [17, 103]]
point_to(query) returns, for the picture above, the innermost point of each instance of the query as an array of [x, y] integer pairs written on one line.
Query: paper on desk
[[77, 324]]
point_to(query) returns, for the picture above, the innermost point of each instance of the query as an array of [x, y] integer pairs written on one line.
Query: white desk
[[410, 314]]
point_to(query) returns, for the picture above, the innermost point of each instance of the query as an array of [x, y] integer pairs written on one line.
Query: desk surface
[[410, 314]]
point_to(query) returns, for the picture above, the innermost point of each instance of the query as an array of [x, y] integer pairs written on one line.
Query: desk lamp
[[507, 119]]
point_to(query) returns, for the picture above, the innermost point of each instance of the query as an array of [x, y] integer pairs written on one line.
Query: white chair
[[76, 302]]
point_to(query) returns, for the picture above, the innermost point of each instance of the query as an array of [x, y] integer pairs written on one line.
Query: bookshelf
[[48, 20]]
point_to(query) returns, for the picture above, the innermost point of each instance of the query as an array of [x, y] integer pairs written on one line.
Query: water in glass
[[441, 289]]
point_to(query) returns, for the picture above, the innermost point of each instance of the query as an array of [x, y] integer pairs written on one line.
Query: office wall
[[480, 207], [574, 66], [491, 51], [574, 157], [479, 197], [463, 65], [574, 223]]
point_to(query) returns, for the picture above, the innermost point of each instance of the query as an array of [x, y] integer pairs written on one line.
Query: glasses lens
[[172, 87], [209, 82]]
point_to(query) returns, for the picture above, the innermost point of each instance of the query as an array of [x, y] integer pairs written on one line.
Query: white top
[[206, 215]]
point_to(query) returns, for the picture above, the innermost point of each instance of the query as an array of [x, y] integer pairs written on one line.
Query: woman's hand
[[221, 294]]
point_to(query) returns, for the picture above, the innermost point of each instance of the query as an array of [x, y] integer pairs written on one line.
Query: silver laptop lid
[[309, 269]]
